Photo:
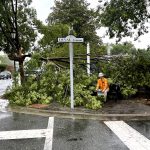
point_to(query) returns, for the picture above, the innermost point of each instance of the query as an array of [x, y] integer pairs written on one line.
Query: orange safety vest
[[102, 84]]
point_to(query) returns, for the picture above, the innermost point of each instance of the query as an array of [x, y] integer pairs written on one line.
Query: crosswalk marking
[[49, 137], [24, 134], [130, 137]]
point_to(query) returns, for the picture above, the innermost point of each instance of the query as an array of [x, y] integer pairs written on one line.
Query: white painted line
[[130, 137], [49, 137], [24, 134]]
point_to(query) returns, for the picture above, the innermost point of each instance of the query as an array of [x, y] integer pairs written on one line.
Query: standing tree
[[17, 36], [125, 17], [122, 49], [77, 14]]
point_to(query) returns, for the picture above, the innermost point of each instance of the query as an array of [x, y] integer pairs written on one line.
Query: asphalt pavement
[[33, 132]]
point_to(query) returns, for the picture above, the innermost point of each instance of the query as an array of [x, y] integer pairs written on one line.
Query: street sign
[[71, 39]]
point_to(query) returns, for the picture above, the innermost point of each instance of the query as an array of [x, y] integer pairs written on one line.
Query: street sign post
[[71, 39]]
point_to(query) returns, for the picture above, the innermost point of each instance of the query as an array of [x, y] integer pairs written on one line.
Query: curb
[[79, 115]]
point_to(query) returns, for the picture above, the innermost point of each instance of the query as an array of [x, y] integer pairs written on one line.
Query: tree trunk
[[21, 68], [20, 59]]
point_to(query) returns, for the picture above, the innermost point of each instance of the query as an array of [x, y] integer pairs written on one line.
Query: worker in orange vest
[[102, 85]]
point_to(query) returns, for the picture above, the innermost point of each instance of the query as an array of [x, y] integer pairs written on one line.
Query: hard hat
[[100, 74]]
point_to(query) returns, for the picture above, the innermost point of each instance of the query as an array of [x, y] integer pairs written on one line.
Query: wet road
[[32, 132]]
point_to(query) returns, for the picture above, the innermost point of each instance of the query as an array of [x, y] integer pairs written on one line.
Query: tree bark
[[21, 68]]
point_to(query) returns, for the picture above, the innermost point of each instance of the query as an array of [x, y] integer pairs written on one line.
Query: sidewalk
[[120, 110]]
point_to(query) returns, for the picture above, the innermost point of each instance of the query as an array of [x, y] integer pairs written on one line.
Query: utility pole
[[109, 50], [88, 59]]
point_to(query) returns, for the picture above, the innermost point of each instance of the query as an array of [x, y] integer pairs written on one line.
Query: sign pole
[[71, 74], [71, 39]]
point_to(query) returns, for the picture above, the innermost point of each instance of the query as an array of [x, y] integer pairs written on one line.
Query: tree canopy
[[17, 21], [77, 14], [17, 18], [50, 35], [125, 48], [125, 17]]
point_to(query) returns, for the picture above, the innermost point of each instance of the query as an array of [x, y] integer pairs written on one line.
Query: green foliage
[[131, 72], [27, 94], [34, 63], [122, 49], [24, 17], [69, 12], [84, 85], [5, 60], [53, 85], [51, 34], [93, 104], [122, 17], [2, 67], [128, 91]]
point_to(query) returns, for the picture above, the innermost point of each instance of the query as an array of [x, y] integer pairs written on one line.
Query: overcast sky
[[43, 9]]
